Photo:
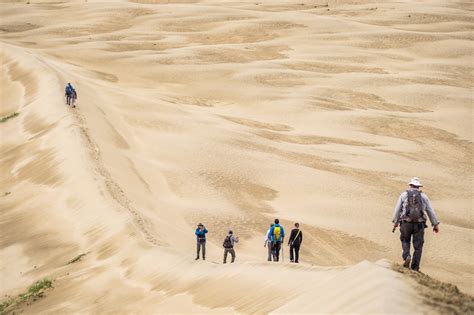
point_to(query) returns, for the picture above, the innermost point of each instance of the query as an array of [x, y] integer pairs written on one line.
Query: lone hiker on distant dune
[[277, 235], [228, 244], [410, 214], [70, 94], [201, 240], [268, 243]]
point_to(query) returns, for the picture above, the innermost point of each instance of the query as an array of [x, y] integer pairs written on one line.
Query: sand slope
[[231, 114]]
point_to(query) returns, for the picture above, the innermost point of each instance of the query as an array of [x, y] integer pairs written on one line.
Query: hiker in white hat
[[415, 182], [409, 213]]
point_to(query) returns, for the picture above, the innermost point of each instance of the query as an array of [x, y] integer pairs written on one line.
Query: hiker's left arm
[[430, 211], [301, 237]]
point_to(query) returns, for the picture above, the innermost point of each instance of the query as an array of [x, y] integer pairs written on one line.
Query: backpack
[[227, 242], [414, 207], [277, 233]]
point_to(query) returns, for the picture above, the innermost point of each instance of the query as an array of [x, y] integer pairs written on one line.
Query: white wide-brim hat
[[415, 181]]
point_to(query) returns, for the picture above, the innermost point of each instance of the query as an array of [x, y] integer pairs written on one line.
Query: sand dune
[[231, 113]]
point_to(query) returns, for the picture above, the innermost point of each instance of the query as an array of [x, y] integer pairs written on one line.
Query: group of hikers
[[274, 238], [409, 215], [71, 95], [228, 244]]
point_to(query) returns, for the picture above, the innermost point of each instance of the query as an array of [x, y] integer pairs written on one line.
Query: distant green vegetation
[[34, 292], [5, 118]]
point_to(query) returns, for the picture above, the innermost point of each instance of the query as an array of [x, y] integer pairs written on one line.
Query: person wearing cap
[[228, 244], [412, 226], [201, 240]]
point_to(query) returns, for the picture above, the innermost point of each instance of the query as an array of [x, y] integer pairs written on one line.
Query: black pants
[[409, 230], [276, 250], [295, 251], [201, 244]]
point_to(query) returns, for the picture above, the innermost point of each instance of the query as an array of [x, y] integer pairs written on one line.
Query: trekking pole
[[282, 253]]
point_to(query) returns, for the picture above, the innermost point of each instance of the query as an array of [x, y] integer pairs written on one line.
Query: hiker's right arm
[[292, 236], [397, 211]]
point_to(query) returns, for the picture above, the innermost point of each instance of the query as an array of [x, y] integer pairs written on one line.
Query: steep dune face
[[231, 114]]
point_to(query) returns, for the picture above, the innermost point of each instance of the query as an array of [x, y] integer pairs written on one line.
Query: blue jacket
[[201, 234], [282, 233], [69, 89]]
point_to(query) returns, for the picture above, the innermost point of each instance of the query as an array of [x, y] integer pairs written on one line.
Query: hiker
[[228, 244], [268, 243], [73, 98], [277, 235], [409, 213], [70, 94], [295, 240], [201, 240]]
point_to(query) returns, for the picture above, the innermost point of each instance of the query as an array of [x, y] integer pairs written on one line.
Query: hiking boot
[[204, 258], [407, 261], [197, 258]]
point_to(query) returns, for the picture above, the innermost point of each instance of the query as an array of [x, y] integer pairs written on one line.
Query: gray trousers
[[269, 248], [232, 253], [415, 231], [201, 244]]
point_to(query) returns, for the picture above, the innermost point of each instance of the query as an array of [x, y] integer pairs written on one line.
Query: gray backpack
[[414, 207]]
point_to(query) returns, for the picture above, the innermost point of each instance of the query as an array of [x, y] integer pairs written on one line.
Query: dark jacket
[[69, 90], [296, 240]]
